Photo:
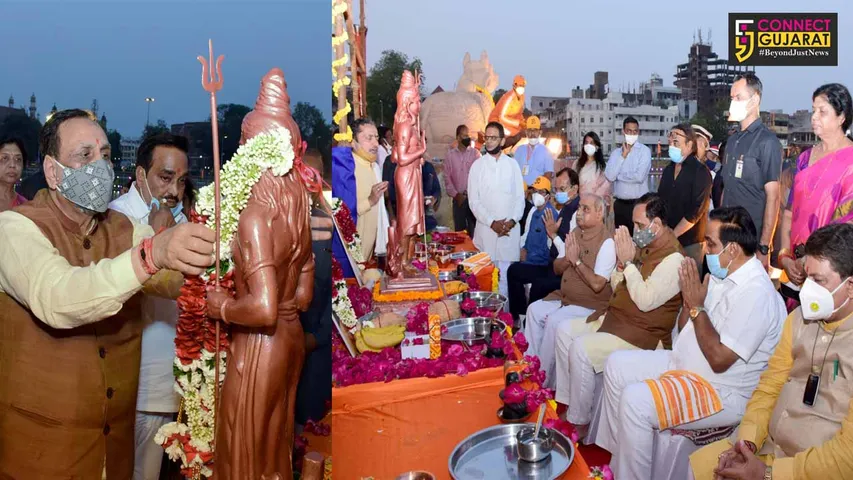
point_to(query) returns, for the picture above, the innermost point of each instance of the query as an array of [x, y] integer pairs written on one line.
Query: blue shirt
[[538, 164], [629, 175], [536, 244]]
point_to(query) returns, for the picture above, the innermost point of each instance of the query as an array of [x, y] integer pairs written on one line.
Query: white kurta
[[495, 192]]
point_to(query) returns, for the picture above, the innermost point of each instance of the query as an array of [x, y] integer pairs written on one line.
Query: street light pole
[[149, 101]]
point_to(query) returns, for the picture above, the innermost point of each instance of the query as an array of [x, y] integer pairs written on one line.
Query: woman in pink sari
[[590, 168], [13, 155], [823, 181]]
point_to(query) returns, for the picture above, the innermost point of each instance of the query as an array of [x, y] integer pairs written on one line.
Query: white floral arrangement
[[342, 305], [270, 150]]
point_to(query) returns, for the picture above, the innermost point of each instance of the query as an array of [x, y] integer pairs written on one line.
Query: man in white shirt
[[729, 327], [628, 171], [161, 175], [496, 197]]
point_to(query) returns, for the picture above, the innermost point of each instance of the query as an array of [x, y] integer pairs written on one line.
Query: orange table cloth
[[382, 430]]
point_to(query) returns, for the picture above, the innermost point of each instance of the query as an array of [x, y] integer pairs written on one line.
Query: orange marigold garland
[[191, 438]]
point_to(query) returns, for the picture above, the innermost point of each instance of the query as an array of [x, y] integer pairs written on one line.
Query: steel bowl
[[447, 276], [442, 229], [416, 475], [534, 449], [488, 300], [461, 256]]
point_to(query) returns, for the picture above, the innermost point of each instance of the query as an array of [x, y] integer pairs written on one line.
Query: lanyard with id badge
[[739, 168], [526, 168]]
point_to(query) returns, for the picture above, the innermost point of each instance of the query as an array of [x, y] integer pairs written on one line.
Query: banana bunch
[[375, 339]]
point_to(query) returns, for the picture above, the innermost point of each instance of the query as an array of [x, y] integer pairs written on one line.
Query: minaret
[[33, 106], [11, 101]]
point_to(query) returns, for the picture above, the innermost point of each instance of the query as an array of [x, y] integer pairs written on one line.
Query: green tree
[[230, 117], [714, 119], [27, 129], [160, 127], [498, 94], [383, 81], [313, 127], [115, 145]]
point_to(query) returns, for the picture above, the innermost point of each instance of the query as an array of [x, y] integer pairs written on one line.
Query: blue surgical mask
[[562, 198], [177, 210], [675, 154], [714, 266]]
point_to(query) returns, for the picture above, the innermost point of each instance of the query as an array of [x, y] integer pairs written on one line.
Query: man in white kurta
[[496, 197], [161, 172], [729, 328], [545, 316]]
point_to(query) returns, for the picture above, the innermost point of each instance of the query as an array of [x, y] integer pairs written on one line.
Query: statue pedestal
[[422, 281]]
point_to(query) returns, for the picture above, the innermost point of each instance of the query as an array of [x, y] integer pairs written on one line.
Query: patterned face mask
[[90, 186], [642, 238]]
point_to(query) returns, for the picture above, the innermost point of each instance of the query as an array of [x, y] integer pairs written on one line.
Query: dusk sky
[[559, 44], [120, 52]]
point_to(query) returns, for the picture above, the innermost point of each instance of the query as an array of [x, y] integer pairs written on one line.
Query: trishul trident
[[211, 80]]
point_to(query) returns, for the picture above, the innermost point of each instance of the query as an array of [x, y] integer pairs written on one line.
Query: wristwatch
[[763, 249], [695, 311], [768, 473]]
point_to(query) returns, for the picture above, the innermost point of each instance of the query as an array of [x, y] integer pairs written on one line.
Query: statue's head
[[272, 110], [409, 96], [480, 72]]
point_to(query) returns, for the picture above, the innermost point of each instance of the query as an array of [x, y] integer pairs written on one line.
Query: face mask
[[519, 90], [494, 151], [631, 139], [714, 267], [533, 141], [370, 157], [466, 142], [738, 110], [712, 165], [562, 197], [176, 210], [817, 301], [538, 200], [90, 186], [675, 154], [590, 149], [642, 238]]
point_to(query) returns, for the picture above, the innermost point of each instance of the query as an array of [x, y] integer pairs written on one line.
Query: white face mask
[[738, 110], [817, 301], [533, 141], [519, 90], [538, 200], [590, 149], [631, 139]]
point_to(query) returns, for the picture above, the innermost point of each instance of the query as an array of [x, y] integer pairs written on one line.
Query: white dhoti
[[567, 332], [628, 430], [148, 456], [587, 356], [543, 320]]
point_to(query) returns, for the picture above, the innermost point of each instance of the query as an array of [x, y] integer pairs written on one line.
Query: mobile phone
[[812, 386]]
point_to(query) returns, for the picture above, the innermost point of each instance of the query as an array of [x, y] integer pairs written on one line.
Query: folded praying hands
[[693, 291], [625, 248]]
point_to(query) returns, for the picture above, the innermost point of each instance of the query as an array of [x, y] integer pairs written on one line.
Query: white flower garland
[[342, 305], [270, 150]]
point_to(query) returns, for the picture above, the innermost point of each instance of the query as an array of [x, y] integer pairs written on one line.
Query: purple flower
[[521, 342], [515, 394]]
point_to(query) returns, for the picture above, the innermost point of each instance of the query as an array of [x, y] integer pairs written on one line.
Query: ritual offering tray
[[469, 330], [492, 454], [488, 300], [461, 256]]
